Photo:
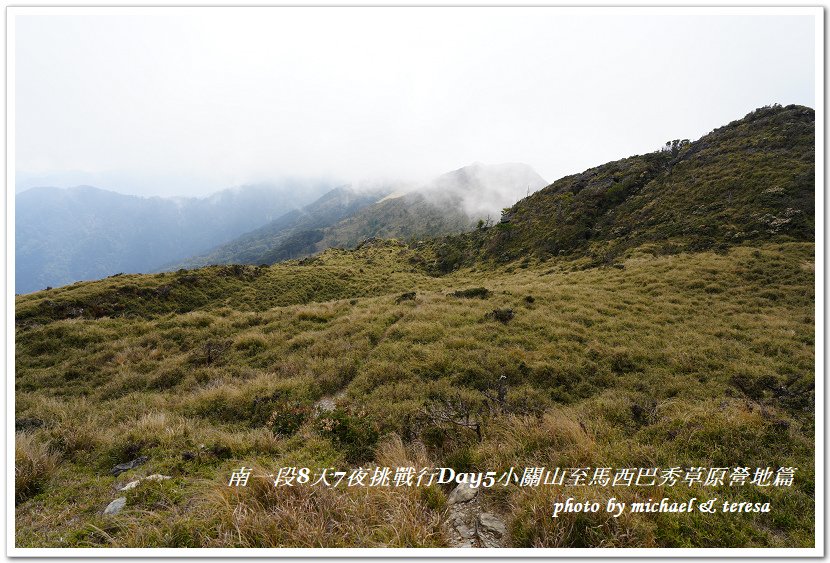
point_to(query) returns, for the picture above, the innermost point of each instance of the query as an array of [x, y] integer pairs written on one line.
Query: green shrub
[[354, 433], [472, 293]]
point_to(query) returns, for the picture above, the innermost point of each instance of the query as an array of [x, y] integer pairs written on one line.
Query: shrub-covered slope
[[750, 180], [450, 204], [407, 217]]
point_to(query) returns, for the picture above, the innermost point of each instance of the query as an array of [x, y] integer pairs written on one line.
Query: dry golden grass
[[689, 359], [34, 465]]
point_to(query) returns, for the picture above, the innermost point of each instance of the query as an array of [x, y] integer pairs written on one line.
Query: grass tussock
[[261, 515], [34, 465], [533, 525]]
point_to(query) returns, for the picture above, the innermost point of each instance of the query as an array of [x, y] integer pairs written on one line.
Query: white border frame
[[817, 551]]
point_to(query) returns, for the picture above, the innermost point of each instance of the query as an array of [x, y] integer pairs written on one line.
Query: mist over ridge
[[83, 232]]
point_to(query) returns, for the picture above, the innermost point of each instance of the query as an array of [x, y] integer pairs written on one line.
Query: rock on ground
[[135, 483], [467, 526], [462, 493], [491, 530], [122, 467], [115, 506]]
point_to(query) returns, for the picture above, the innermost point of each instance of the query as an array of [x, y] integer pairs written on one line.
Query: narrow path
[[467, 525]]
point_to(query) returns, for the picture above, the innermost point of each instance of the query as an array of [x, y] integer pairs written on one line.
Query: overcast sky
[[187, 103]]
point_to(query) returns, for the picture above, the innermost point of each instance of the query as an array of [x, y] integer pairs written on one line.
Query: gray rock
[[466, 532], [326, 404], [462, 493], [154, 477], [122, 467], [115, 506], [492, 523]]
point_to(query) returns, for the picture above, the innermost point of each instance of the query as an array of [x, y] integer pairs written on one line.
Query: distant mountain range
[[344, 217], [294, 234], [83, 233]]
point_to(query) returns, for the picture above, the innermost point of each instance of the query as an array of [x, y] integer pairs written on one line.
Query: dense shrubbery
[[353, 432], [473, 292], [751, 180]]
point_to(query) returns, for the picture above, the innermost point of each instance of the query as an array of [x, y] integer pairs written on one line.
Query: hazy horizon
[[196, 101]]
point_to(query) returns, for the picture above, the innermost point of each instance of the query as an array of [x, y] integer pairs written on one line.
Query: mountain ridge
[[449, 204], [748, 180], [291, 235], [530, 233], [68, 234]]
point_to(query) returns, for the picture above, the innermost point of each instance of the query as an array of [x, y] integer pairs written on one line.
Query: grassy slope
[[692, 359]]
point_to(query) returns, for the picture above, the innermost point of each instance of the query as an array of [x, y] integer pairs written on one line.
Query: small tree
[[675, 146]]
